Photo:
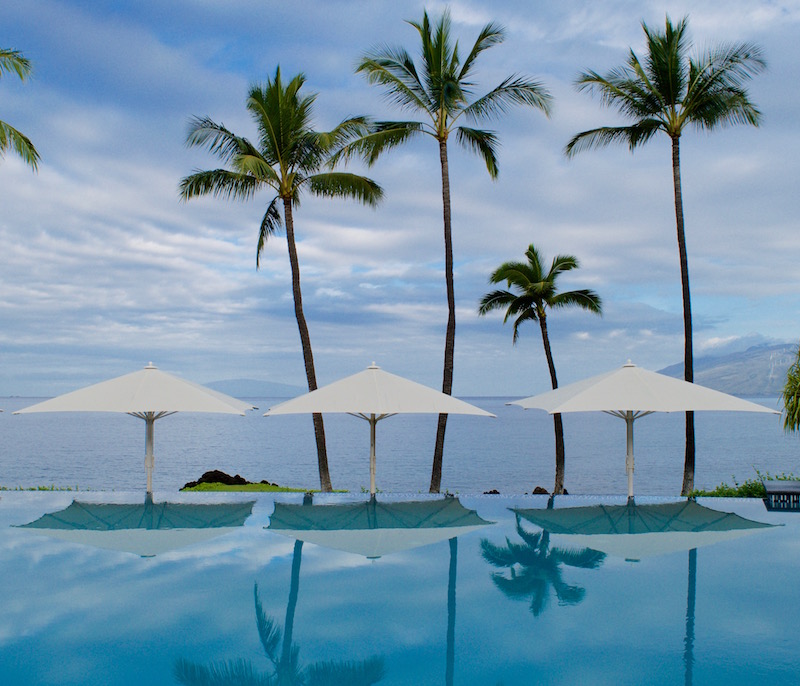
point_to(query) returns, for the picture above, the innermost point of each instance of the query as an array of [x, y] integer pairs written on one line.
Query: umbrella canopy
[[631, 392], [635, 531], [375, 528], [149, 394], [374, 395], [146, 529]]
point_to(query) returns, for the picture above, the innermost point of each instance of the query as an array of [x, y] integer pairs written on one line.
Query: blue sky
[[104, 269]]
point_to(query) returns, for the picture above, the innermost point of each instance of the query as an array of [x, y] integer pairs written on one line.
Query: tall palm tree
[[667, 92], [288, 158], [441, 91], [534, 567], [10, 138], [536, 292]]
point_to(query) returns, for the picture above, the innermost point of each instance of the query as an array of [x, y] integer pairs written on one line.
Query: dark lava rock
[[494, 491], [540, 491], [215, 476]]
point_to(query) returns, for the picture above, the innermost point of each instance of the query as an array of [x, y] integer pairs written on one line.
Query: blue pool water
[[496, 604]]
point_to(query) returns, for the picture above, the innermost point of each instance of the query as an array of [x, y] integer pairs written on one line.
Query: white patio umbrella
[[374, 395], [631, 392], [149, 394]]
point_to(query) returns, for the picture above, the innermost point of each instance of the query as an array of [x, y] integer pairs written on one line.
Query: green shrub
[[750, 488]]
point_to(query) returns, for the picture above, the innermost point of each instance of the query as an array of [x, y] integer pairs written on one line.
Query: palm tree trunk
[[688, 361], [558, 488], [305, 341], [285, 673], [450, 336]]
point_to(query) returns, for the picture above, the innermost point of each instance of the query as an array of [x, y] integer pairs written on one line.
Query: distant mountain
[[759, 371], [252, 388]]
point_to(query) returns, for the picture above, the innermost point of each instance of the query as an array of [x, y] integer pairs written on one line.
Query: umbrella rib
[[378, 417], [154, 415]]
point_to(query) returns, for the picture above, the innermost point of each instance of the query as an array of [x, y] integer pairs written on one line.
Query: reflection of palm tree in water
[[534, 567], [283, 654]]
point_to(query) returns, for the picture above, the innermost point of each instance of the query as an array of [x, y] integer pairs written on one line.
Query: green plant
[[750, 488]]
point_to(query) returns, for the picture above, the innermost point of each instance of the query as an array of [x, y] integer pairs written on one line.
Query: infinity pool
[[469, 590]]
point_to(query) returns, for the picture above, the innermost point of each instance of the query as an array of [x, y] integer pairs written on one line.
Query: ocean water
[[513, 453]]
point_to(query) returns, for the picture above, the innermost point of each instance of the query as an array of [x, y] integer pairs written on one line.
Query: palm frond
[[482, 142], [14, 61], [497, 556], [346, 185], [231, 673], [634, 136], [790, 396], [384, 136], [11, 139], [270, 223], [584, 298], [585, 558], [394, 69], [495, 300], [269, 632], [206, 133], [514, 90], [492, 34], [220, 183]]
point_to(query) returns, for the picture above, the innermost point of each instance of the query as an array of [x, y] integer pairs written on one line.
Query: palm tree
[[791, 395], [534, 567], [668, 92], [10, 138], [289, 157], [441, 91], [535, 293]]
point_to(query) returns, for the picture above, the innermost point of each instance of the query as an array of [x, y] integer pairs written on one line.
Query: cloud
[[102, 261]]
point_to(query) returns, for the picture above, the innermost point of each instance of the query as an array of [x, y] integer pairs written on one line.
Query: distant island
[[253, 388], [758, 372]]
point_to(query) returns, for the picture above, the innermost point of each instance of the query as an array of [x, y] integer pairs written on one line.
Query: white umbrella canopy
[[374, 528], [631, 392], [149, 394], [374, 395], [635, 531]]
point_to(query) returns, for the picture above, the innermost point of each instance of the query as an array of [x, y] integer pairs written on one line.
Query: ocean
[[512, 454]]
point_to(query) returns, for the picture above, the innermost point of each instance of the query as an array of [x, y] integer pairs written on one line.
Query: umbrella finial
[[629, 364], [150, 365], [373, 366]]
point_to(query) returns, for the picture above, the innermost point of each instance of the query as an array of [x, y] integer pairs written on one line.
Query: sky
[[105, 269]]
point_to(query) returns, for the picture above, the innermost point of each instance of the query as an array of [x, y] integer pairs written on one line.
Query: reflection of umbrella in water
[[375, 395], [145, 529], [631, 392], [149, 394], [373, 528], [635, 531]]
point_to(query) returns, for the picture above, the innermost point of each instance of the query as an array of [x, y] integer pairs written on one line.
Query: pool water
[[461, 591]]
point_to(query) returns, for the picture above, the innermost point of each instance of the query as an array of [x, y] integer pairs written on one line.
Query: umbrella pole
[[149, 459], [372, 423], [629, 456]]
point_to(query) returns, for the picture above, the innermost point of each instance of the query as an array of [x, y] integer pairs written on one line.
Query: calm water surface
[[443, 613], [512, 453]]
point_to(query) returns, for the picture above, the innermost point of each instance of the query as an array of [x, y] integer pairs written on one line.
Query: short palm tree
[[668, 92], [10, 138], [791, 396], [289, 157], [441, 91], [535, 292]]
